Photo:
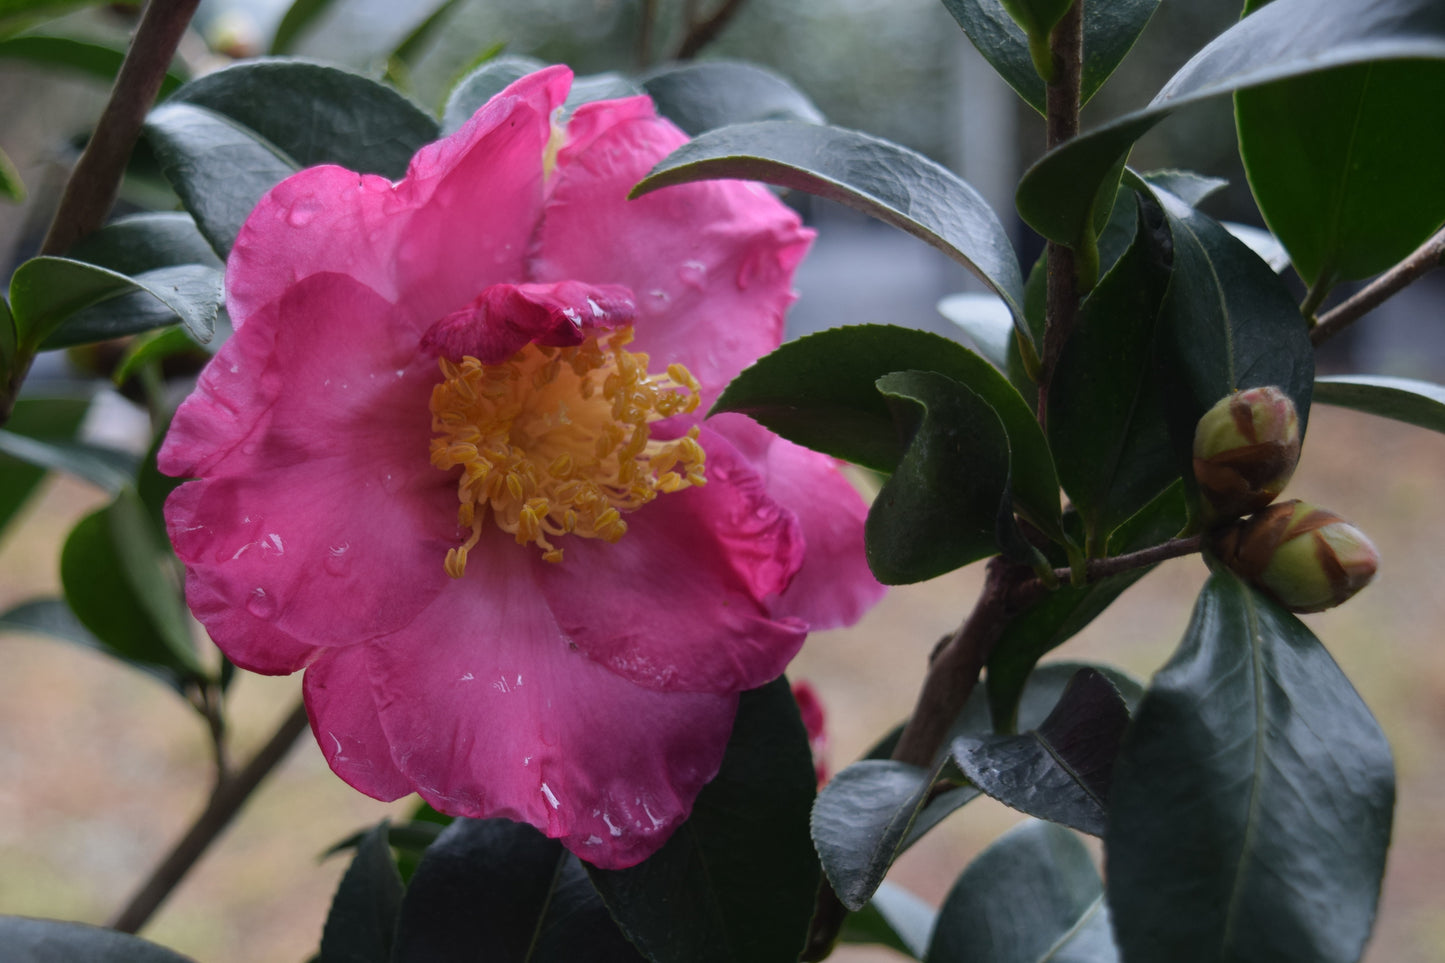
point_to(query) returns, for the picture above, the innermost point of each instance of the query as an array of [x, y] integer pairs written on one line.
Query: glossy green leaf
[[49, 941], [1108, 435], [413, 837], [1251, 804], [17, 15], [143, 242], [53, 618], [941, 507], [361, 924], [737, 881], [821, 391], [299, 18], [217, 167], [1110, 29], [317, 114], [985, 319], [702, 95], [106, 468], [1228, 323], [1031, 897], [94, 58], [40, 419], [865, 818], [1191, 188], [894, 918], [1345, 165], [116, 579], [1056, 196], [1061, 770], [187, 293], [47, 292], [481, 85], [153, 348], [11, 186], [1414, 402], [1062, 613], [1261, 242], [498, 890], [879, 178]]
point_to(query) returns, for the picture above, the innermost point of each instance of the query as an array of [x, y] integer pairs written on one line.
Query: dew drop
[[261, 605], [337, 561], [693, 274], [300, 216], [390, 483]]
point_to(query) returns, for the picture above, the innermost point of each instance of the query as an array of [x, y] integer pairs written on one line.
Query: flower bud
[[1308, 558], [1245, 450]]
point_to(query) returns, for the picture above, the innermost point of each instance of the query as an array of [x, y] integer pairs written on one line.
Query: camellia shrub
[[482, 421]]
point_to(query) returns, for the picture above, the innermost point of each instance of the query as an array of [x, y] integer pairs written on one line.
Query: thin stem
[[1426, 258], [1317, 293], [225, 802], [1061, 119], [644, 34], [953, 670], [704, 31], [94, 182]]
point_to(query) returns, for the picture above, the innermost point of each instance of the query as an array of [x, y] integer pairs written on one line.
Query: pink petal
[[684, 601], [343, 715], [504, 318], [461, 218], [490, 711], [834, 586], [320, 514], [710, 263]]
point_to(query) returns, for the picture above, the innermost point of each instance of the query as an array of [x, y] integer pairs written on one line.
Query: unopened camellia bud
[[1308, 558], [1245, 450]]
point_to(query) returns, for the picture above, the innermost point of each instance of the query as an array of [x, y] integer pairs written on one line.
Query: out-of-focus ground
[[102, 768]]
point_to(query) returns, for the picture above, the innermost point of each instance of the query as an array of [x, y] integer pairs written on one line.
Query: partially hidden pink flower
[[453, 464], [815, 721]]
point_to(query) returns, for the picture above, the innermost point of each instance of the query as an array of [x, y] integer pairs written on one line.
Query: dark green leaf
[[1107, 432], [1061, 614], [52, 941], [53, 618], [481, 85], [1261, 242], [940, 509], [106, 468], [1251, 803], [498, 890], [1061, 770], [1031, 897], [895, 918], [46, 291], [112, 570], [821, 392], [1287, 38], [316, 114], [361, 925], [153, 348], [17, 15], [864, 819], [1403, 399], [1345, 164], [737, 882], [217, 167], [11, 186], [94, 58], [412, 45], [144, 242], [879, 178], [1110, 29], [45, 419], [985, 319], [1228, 323], [188, 293], [296, 21], [701, 95], [1189, 187], [413, 837]]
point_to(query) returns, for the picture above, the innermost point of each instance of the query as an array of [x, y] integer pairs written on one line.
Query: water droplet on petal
[[300, 215], [390, 483], [337, 561], [261, 605], [693, 274]]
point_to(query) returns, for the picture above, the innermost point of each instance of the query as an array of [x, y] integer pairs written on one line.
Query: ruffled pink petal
[[684, 601], [490, 711], [710, 263], [834, 586], [461, 218], [504, 318], [319, 512], [337, 689]]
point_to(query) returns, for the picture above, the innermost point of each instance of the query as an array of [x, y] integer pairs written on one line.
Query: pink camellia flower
[[815, 721], [453, 464]]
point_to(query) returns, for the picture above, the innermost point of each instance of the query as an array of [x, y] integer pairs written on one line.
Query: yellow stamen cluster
[[556, 441]]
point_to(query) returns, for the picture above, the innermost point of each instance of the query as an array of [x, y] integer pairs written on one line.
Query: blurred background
[[101, 768]]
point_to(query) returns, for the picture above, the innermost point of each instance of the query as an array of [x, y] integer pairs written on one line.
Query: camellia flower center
[[557, 440]]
